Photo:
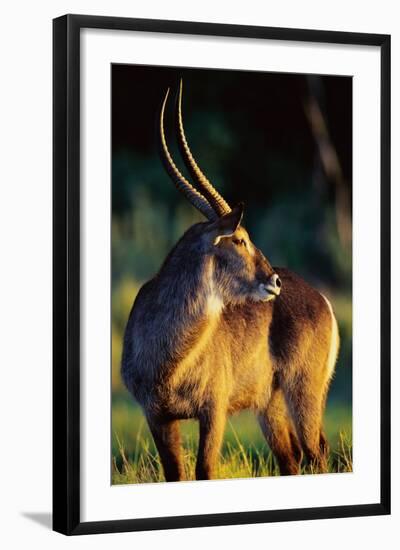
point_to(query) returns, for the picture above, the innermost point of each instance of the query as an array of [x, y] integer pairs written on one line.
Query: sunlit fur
[[334, 348], [203, 342]]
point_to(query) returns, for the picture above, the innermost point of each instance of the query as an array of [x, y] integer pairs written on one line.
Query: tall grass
[[244, 452], [235, 462]]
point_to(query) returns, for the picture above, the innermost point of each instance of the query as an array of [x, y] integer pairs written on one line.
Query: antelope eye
[[239, 242]]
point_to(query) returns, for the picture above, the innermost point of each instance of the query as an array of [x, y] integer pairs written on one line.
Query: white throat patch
[[214, 304]]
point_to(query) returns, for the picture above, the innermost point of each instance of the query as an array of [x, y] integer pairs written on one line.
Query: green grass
[[244, 452]]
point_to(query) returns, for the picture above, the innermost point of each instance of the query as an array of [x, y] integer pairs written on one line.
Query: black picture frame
[[66, 273]]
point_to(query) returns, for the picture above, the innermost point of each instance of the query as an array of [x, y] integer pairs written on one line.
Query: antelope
[[218, 330]]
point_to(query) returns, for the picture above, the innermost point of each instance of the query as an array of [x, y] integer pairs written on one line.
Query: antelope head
[[239, 270]]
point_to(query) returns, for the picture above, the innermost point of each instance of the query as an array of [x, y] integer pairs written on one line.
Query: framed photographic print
[[221, 274]]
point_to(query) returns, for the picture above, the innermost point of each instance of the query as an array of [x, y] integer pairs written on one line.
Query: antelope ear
[[228, 223]]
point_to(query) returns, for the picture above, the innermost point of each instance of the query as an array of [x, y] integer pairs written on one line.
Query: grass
[[244, 452]]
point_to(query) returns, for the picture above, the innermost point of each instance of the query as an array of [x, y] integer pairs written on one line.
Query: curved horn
[[204, 185], [181, 183]]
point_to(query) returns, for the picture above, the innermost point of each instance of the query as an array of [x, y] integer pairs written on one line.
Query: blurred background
[[282, 144]]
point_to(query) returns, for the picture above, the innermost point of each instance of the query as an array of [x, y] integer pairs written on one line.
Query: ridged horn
[[203, 184], [181, 183]]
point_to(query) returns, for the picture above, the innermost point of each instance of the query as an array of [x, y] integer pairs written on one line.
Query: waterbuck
[[219, 330]]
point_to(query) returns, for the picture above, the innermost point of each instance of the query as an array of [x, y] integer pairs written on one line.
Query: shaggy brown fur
[[205, 339]]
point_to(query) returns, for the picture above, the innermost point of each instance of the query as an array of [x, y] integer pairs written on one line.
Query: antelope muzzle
[[271, 289]]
